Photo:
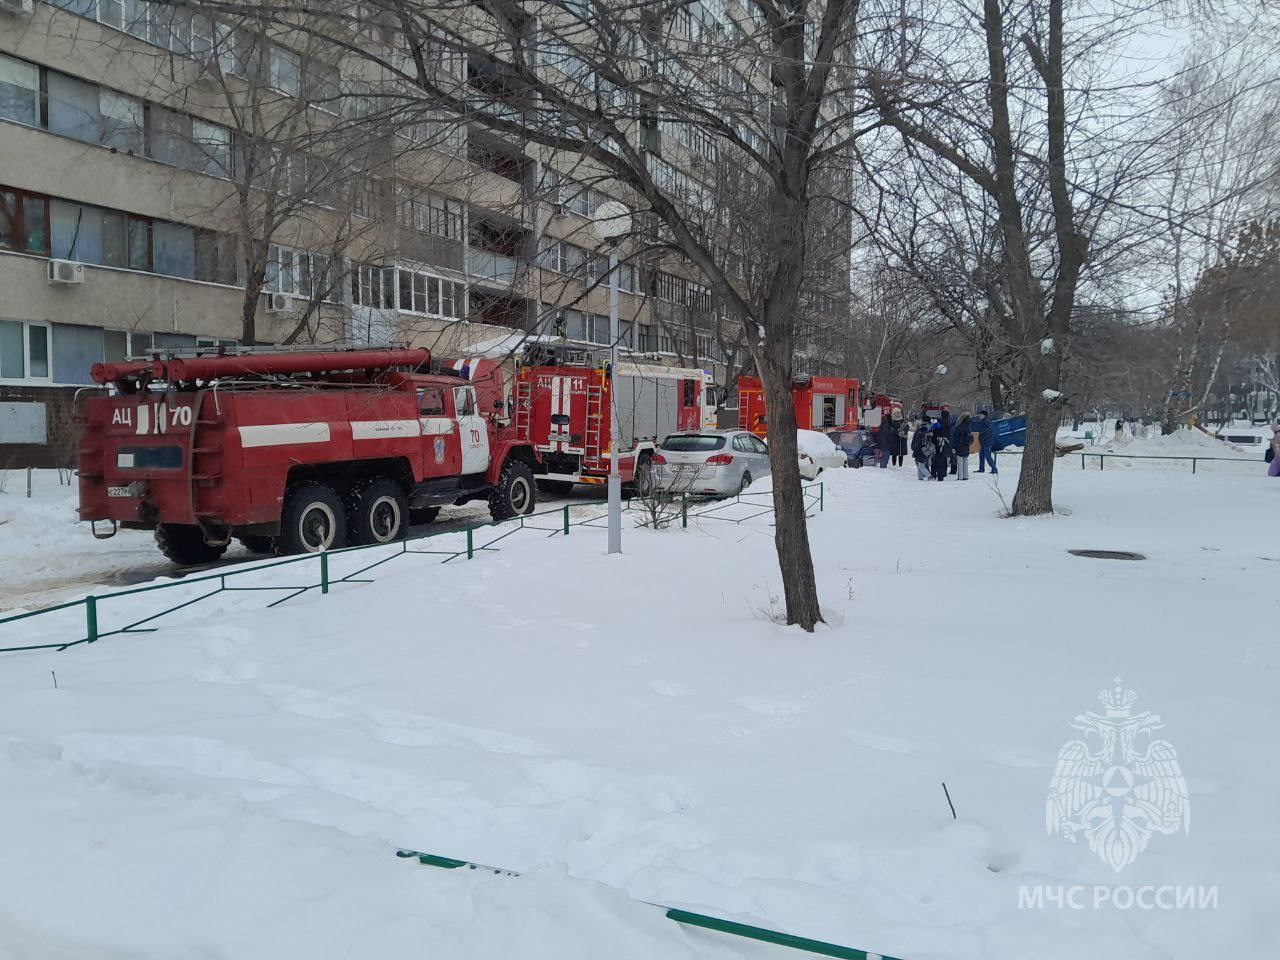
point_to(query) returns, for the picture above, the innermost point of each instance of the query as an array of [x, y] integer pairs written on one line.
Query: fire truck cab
[[821, 403], [294, 452]]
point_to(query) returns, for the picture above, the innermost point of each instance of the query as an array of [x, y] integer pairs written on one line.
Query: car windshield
[[844, 438], [687, 443]]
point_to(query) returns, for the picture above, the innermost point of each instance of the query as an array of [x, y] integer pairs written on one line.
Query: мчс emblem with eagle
[[1118, 784]]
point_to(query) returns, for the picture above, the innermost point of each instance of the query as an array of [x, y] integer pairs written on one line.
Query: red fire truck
[[881, 406], [294, 452], [822, 403], [563, 407]]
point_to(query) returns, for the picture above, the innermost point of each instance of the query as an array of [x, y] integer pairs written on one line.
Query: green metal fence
[[1103, 457], [317, 570]]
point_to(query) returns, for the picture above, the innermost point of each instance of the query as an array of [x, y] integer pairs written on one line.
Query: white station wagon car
[[818, 453]]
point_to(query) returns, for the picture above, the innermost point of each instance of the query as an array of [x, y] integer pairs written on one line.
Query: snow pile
[[505, 346], [235, 784], [1180, 443], [816, 445]]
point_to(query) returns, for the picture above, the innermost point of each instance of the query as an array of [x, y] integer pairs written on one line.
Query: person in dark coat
[[886, 437], [986, 442], [902, 441], [942, 451], [921, 451], [963, 438], [948, 425]]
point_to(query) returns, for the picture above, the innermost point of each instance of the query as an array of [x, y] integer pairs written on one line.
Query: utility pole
[[615, 478], [613, 220]]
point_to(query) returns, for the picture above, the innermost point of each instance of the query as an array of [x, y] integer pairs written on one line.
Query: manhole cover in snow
[[1107, 554]]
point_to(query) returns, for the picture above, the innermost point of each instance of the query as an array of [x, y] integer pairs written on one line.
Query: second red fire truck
[[563, 407]]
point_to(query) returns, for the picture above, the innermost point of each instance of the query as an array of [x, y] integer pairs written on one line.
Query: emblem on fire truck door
[[439, 445]]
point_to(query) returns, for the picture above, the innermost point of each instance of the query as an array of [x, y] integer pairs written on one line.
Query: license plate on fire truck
[[121, 491]]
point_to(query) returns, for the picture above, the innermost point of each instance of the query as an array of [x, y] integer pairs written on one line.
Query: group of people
[[940, 447]]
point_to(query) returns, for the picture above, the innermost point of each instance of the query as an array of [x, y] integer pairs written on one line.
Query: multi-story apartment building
[[171, 181]]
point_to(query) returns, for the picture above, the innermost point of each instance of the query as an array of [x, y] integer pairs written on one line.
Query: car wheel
[[746, 481], [313, 520]]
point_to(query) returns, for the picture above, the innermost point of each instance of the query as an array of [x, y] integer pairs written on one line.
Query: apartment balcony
[[496, 267]]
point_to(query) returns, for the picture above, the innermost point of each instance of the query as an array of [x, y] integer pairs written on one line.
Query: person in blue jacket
[[986, 442]]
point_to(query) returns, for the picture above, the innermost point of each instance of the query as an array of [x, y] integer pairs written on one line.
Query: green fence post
[[324, 571], [1193, 464], [91, 617], [1082, 461], [684, 510], [822, 496], [566, 519], [1102, 461], [470, 545]]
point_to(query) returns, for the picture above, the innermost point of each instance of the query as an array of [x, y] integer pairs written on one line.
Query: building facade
[[169, 182]]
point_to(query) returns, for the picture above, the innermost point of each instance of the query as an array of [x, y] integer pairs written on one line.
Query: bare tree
[[603, 82]]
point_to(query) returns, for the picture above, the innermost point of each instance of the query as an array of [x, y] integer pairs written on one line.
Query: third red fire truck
[[822, 403]]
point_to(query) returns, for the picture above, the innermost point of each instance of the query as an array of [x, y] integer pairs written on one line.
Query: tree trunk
[[1034, 495], [790, 532], [997, 393]]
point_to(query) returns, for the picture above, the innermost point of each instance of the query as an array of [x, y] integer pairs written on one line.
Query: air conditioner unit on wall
[[65, 271], [15, 7], [277, 303]]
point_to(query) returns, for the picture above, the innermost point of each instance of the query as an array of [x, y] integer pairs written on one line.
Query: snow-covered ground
[[47, 555], [637, 728]]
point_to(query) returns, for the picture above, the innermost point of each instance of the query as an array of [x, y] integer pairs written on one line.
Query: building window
[[24, 222], [560, 256], [24, 351], [286, 72], [431, 214], [669, 287], [300, 273], [434, 296], [322, 85], [122, 122], [19, 91], [373, 287]]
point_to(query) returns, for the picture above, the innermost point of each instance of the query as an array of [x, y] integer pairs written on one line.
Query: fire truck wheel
[[257, 543], [555, 488], [513, 496], [184, 543], [424, 515], [376, 512], [313, 520]]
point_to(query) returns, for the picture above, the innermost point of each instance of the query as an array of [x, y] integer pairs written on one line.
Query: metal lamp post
[[612, 220]]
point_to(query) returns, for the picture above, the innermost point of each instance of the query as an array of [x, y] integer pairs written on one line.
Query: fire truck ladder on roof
[[204, 460], [524, 408], [592, 446]]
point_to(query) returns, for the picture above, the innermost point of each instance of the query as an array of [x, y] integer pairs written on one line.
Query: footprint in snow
[[887, 744], [671, 689]]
